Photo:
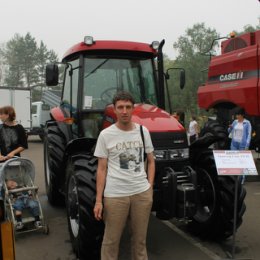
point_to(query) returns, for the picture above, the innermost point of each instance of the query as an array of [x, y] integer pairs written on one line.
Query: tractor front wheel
[[86, 233], [215, 128], [215, 212], [54, 149]]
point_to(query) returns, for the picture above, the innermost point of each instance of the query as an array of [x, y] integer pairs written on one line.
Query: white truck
[[20, 99], [31, 115], [41, 111], [40, 114]]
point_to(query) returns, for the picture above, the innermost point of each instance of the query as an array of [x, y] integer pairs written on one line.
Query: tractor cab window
[[103, 77], [69, 103], [66, 97]]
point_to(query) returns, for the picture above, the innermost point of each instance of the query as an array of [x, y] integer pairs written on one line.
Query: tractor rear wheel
[[216, 129], [54, 149], [215, 213], [86, 233]]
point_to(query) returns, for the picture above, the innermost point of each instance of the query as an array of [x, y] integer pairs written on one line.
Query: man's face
[[123, 110]]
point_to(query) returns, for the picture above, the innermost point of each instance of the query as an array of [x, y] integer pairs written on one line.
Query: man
[[124, 189]]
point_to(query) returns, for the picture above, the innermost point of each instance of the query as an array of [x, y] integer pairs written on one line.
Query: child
[[23, 200]]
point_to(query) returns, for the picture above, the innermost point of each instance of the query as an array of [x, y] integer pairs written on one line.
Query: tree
[[29, 60], [12, 55], [43, 56], [190, 48], [26, 61]]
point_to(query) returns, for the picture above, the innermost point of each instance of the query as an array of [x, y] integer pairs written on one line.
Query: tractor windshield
[[103, 77]]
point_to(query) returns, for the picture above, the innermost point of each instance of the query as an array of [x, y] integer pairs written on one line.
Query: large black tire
[[215, 214], [86, 233], [216, 129], [54, 149]]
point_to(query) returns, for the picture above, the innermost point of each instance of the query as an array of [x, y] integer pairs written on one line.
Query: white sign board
[[234, 162], [88, 102]]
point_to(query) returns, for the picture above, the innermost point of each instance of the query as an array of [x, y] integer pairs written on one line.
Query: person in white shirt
[[124, 188], [193, 130]]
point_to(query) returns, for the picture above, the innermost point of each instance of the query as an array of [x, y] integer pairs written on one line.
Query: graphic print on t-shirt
[[131, 156]]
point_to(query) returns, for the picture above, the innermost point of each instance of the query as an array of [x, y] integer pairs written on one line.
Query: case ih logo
[[231, 76], [241, 75]]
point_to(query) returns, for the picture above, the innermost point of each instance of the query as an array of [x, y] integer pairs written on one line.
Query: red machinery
[[233, 81]]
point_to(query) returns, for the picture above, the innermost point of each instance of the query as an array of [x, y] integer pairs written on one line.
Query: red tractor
[[186, 184], [233, 82]]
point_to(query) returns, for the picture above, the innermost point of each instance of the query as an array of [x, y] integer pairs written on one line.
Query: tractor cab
[[95, 71]]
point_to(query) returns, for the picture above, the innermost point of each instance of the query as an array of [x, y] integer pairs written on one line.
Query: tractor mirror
[[52, 75]]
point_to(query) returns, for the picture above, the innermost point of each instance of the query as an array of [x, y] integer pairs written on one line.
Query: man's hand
[[98, 210]]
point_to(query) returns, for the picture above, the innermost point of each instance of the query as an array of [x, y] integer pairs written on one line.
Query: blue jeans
[[237, 146], [22, 203]]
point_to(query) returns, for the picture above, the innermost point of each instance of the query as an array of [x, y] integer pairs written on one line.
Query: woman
[[13, 139], [240, 132]]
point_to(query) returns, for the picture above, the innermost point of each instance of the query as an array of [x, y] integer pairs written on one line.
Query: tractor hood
[[155, 119], [152, 117]]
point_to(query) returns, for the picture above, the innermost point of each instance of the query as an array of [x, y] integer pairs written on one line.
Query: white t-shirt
[[126, 175], [192, 128], [238, 132]]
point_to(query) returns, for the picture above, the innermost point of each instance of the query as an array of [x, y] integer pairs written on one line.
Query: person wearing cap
[[240, 132]]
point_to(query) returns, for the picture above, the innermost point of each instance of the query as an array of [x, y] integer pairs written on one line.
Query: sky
[[62, 23]]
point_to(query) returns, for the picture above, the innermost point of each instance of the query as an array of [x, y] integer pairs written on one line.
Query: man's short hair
[[123, 95]]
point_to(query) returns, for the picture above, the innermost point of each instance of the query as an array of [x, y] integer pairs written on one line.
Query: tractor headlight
[[173, 154], [179, 154], [160, 154], [155, 45]]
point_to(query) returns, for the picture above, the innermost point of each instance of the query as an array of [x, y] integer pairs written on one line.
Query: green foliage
[[190, 47], [26, 61]]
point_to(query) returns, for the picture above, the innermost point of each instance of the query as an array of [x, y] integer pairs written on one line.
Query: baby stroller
[[22, 172]]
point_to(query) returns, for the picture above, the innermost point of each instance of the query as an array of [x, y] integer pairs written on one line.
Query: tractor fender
[[202, 144], [57, 114], [64, 128], [80, 145], [205, 141]]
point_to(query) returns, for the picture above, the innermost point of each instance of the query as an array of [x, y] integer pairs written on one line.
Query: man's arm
[[100, 186], [151, 168]]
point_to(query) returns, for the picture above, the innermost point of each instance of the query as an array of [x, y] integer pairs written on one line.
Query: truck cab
[[40, 114]]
